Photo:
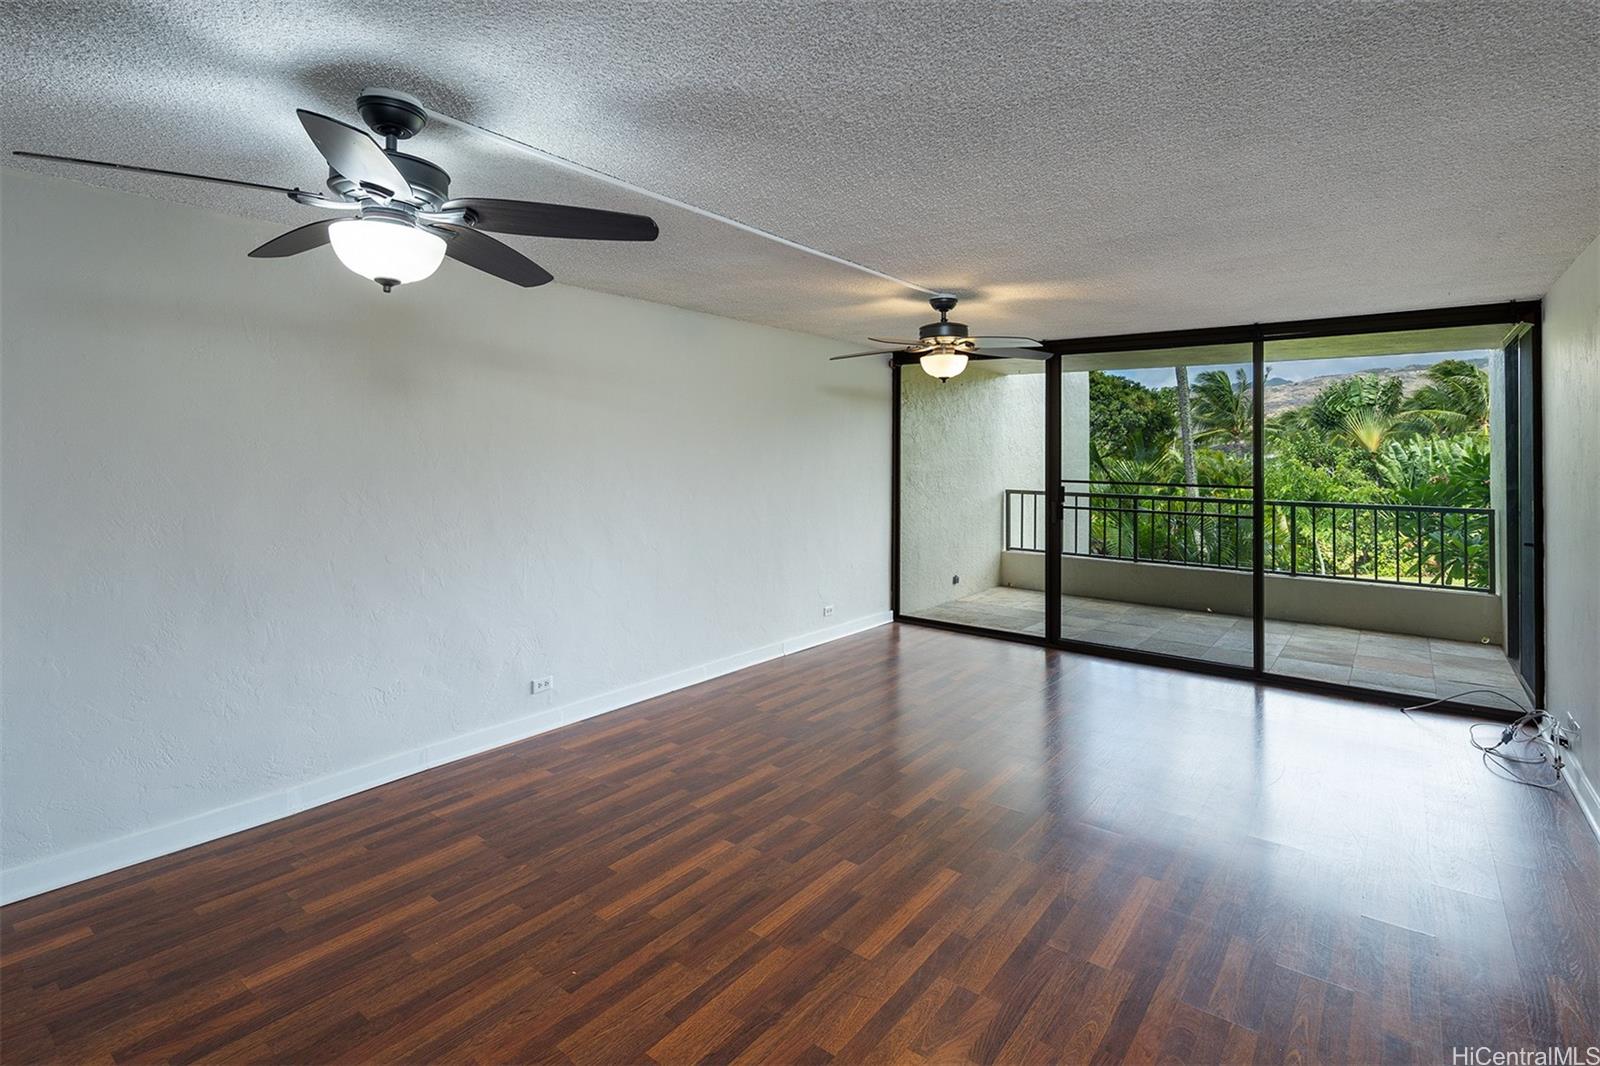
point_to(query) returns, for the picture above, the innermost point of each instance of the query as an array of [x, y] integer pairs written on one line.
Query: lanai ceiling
[[1069, 169]]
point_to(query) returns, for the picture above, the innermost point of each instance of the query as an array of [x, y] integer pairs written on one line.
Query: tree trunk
[[1186, 431]]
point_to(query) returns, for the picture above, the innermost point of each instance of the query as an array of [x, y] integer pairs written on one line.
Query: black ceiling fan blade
[[354, 154], [897, 343], [858, 355], [528, 219], [482, 252], [156, 171], [1008, 353], [1005, 342], [303, 239]]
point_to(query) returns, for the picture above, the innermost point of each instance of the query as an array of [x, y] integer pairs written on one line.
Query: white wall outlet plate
[[542, 684], [827, 610]]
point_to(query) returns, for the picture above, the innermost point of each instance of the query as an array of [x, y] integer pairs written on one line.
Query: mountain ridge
[[1283, 395]]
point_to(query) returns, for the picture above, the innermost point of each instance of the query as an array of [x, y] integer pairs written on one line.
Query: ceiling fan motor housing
[[943, 328], [935, 330], [430, 183], [391, 114]]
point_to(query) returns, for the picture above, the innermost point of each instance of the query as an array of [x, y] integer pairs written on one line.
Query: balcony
[[1393, 596]]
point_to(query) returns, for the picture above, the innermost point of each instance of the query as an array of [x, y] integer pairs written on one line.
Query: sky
[[1300, 369]]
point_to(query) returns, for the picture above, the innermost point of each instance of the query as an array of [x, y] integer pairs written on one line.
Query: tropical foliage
[[1127, 419], [1222, 408], [1360, 440]]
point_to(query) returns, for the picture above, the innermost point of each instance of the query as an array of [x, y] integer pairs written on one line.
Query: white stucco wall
[[269, 534], [962, 444], [1570, 376]]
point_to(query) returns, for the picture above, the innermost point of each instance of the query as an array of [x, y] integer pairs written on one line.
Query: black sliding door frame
[[1258, 490], [1523, 523], [1257, 336], [1052, 500]]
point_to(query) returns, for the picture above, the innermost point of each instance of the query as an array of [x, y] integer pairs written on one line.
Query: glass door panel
[[972, 517], [1157, 502], [1385, 494]]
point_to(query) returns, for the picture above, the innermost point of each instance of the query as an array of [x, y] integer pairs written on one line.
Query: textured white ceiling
[[1072, 169]]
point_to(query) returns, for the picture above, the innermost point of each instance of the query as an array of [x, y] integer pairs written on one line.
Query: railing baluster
[[1441, 548], [1334, 551], [1294, 538], [1420, 538], [1485, 531], [1136, 529]]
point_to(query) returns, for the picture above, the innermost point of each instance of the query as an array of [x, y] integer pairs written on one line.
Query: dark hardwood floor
[[909, 845]]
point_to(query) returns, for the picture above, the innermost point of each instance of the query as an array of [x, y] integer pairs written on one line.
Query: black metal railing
[[1209, 525]]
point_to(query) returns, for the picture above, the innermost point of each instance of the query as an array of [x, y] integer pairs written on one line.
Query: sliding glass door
[[1157, 504]]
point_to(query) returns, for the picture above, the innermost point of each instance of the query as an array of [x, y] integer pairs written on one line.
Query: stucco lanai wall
[[962, 444]]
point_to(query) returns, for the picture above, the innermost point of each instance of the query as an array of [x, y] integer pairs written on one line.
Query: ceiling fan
[[943, 347], [396, 221]]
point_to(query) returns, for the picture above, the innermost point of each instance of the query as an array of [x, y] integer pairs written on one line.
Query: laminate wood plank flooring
[[909, 845]]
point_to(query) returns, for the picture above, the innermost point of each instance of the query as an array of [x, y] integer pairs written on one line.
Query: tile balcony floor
[[1394, 662]]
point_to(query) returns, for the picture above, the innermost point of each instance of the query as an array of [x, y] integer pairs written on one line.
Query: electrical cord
[[1469, 692], [1505, 773], [1507, 735], [1499, 762], [623, 183]]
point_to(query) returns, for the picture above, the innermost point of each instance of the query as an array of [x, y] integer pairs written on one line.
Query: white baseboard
[[80, 864], [1584, 792]]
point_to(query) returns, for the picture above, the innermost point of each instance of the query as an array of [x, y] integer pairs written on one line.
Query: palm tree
[[1223, 407], [1185, 430], [1455, 399], [1380, 393], [1369, 427], [1144, 469]]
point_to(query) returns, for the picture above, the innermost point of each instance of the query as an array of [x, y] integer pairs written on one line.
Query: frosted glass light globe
[[944, 365], [386, 251]]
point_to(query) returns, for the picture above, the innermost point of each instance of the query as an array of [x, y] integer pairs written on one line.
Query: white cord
[[1491, 754], [1493, 749], [1457, 695], [1509, 774], [621, 183]]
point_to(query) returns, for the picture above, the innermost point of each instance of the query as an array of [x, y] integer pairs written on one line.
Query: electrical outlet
[[542, 684], [827, 610], [1571, 728]]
